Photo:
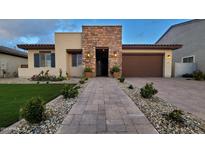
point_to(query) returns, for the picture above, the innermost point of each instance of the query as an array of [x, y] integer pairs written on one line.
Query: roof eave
[[36, 46]]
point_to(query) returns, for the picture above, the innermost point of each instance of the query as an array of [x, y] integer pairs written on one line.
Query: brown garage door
[[142, 65]]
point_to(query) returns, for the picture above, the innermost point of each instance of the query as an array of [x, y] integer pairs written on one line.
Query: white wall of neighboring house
[[10, 64], [183, 68]]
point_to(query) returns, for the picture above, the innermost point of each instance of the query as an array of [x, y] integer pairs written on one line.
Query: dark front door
[[101, 62]]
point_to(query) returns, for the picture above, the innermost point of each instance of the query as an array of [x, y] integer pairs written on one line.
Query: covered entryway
[[102, 62], [142, 65]]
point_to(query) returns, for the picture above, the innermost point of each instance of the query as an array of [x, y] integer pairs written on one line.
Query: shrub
[[187, 75], [82, 81], [176, 115], [69, 92], [46, 73], [115, 69], [37, 82], [15, 74], [60, 78], [44, 77], [198, 75], [131, 86], [87, 69], [47, 82], [34, 110], [60, 72], [148, 90], [67, 75], [122, 79], [85, 78]]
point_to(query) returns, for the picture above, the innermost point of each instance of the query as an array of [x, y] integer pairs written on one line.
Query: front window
[[76, 60], [189, 59], [45, 59]]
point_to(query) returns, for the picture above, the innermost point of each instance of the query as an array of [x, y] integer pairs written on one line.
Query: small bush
[[47, 82], [37, 82], [46, 73], [88, 69], [33, 111], [148, 90], [198, 75], [176, 115], [82, 81], [85, 78], [115, 69], [47, 77], [69, 92], [122, 79], [187, 75], [131, 86], [67, 76], [60, 72]]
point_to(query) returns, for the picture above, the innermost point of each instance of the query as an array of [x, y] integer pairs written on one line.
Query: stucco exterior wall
[[191, 35], [182, 68], [167, 63], [12, 64], [65, 41], [31, 70]]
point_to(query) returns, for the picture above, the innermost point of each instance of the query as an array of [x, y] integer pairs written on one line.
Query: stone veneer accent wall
[[99, 37]]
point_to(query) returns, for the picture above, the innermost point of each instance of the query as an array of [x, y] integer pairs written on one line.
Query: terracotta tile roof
[[13, 52], [124, 46], [151, 46], [36, 46]]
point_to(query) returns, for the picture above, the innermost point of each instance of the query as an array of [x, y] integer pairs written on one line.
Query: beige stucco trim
[[65, 41], [167, 61]]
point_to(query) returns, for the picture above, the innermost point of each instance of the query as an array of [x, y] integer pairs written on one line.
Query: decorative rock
[[156, 110]]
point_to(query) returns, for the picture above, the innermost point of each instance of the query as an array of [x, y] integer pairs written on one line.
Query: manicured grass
[[14, 96]]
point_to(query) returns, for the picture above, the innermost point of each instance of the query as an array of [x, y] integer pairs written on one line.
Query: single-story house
[[11, 60], [192, 55], [100, 48]]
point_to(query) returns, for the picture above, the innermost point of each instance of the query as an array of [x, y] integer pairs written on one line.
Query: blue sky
[[13, 32]]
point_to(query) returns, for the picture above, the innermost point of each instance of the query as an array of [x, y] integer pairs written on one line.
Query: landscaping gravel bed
[[56, 111], [156, 110]]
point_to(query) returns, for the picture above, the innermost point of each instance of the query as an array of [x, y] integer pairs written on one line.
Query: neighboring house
[[191, 35], [101, 48], [10, 61]]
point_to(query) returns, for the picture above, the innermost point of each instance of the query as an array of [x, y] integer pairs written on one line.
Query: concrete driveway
[[188, 95]]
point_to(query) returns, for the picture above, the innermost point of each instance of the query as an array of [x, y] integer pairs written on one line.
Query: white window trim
[[194, 58]]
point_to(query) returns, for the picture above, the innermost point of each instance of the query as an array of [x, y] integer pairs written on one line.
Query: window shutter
[[52, 59], [36, 60]]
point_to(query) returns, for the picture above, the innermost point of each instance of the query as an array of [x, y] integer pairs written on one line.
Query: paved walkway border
[[104, 108]]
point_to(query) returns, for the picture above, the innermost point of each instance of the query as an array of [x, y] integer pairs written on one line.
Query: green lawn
[[14, 96]]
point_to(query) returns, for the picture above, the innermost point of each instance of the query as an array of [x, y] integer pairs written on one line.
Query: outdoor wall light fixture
[[88, 55], [169, 56], [115, 54]]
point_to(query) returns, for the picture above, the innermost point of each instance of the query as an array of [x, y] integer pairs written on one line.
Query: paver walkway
[[104, 108]]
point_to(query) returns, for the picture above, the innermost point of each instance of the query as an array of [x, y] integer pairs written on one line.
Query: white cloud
[[15, 31]]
